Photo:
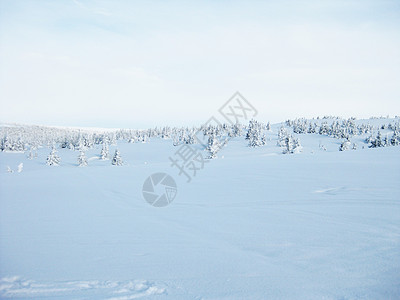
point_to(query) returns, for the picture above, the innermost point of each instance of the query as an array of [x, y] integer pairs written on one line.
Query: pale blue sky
[[147, 63]]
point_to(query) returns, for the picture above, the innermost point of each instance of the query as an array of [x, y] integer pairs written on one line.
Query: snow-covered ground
[[253, 224]]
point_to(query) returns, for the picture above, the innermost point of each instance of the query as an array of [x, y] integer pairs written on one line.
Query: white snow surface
[[255, 224]]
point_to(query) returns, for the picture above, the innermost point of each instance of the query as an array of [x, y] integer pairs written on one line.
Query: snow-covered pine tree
[[368, 139], [176, 140], [345, 145], [263, 139], [53, 159], [212, 152], [311, 128], [88, 142], [292, 145], [395, 140], [289, 145], [30, 155], [104, 154], [236, 130], [81, 145], [212, 143], [386, 141], [321, 146], [256, 139], [82, 160], [377, 142], [189, 138], [324, 128], [117, 160], [5, 144], [299, 126], [297, 145], [32, 152], [254, 134], [282, 135], [165, 132], [213, 146], [66, 144]]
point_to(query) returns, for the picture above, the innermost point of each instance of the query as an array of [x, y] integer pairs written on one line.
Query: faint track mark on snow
[[15, 287], [334, 190]]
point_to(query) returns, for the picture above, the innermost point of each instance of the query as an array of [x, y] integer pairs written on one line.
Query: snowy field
[[253, 224]]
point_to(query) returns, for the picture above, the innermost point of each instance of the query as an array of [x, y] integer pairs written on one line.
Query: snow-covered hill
[[253, 223]]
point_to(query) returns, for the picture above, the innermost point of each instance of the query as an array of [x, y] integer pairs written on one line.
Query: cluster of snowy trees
[[8, 144], [380, 141], [182, 136], [338, 128], [23, 137], [255, 133], [54, 160], [217, 136], [212, 136], [346, 129], [289, 143]]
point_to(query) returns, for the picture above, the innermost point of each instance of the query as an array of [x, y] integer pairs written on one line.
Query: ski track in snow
[[334, 190], [17, 287]]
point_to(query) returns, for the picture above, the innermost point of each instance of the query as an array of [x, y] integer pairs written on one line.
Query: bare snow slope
[[255, 224]]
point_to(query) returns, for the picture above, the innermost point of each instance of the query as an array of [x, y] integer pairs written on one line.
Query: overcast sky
[[147, 63]]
